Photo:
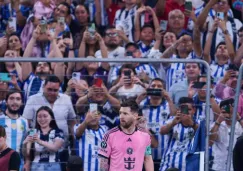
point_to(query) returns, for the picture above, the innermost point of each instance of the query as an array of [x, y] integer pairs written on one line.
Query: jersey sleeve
[[148, 150], [105, 146]]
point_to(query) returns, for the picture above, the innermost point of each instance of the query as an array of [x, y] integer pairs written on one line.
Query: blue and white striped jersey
[[41, 153], [16, 130], [180, 139], [33, 85], [217, 71], [125, 20], [144, 49], [156, 116], [148, 69], [176, 71], [3, 106], [87, 147]]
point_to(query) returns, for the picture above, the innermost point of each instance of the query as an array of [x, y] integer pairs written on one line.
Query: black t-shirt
[[238, 155], [14, 162]]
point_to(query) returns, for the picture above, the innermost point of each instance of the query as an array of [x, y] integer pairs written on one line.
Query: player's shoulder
[[143, 132], [110, 133]]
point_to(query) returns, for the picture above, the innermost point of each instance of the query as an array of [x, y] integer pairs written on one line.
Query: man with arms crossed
[[126, 147]]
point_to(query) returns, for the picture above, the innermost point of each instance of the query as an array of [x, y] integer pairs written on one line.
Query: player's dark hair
[[130, 103]]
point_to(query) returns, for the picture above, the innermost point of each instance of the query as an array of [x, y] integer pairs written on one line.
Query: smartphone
[[220, 15], [76, 75], [163, 25], [52, 32], [12, 22], [184, 109], [188, 5], [198, 85], [226, 108], [154, 92], [5, 77], [91, 29], [232, 67], [32, 132], [61, 20], [93, 107], [127, 73], [66, 34], [98, 82], [43, 26], [128, 54], [226, 102]]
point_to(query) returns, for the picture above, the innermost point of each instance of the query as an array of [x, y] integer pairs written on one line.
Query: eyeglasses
[[111, 34]]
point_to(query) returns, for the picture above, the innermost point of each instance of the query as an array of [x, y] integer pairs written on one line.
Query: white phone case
[[12, 22], [93, 107]]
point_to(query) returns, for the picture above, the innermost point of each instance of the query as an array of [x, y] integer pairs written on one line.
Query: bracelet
[[216, 123]]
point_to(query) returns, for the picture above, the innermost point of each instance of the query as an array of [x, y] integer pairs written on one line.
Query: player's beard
[[14, 112], [127, 124]]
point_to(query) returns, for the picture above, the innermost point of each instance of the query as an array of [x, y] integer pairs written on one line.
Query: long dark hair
[[53, 123]]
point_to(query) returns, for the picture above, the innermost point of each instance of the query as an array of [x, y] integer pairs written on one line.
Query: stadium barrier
[[208, 84], [232, 130]]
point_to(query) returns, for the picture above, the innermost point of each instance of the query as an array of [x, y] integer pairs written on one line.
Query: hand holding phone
[[43, 26], [32, 132], [184, 109], [188, 5], [5, 77]]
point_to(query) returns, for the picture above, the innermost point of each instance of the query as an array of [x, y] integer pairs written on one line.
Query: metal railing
[[208, 84], [232, 130]]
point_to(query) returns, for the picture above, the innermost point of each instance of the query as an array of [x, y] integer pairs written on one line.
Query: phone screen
[[163, 25], [91, 29], [12, 23], [184, 109], [93, 107], [32, 132], [98, 82], [5, 77], [43, 26], [188, 5], [61, 20]]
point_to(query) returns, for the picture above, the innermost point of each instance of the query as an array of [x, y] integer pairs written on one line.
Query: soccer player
[[180, 130], [126, 147], [88, 136]]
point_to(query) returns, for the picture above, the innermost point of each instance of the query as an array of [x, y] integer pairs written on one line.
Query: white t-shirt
[[220, 147], [133, 92]]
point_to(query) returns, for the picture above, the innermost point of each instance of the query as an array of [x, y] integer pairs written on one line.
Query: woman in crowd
[[14, 43], [43, 143]]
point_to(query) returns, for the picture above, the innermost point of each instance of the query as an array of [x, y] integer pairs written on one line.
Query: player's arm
[[148, 161], [104, 163]]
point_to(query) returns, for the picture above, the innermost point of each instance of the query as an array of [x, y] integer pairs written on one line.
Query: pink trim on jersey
[[126, 152]]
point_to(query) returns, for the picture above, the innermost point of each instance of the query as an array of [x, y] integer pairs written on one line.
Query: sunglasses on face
[[111, 34]]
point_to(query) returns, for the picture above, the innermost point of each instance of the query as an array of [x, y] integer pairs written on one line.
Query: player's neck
[[129, 130]]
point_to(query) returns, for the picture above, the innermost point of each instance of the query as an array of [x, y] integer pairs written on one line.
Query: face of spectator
[[2, 143], [127, 117], [14, 102], [61, 11], [232, 82], [228, 116], [3, 90], [91, 66], [98, 95], [168, 39], [14, 43], [51, 90], [186, 117], [192, 70], [186, 45], [42, 68], [10, 54], [176, 20], [222, 6], [156, 85], [81, 14], [147, 34], [130, 2], [112, 39], [222, 53], [135, 52], [43, 119]]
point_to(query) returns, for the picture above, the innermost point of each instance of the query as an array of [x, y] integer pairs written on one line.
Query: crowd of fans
[[53, 110]]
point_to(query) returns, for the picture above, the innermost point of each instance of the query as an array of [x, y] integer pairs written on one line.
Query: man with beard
[[126, 147], [112, 41], [15, 125]]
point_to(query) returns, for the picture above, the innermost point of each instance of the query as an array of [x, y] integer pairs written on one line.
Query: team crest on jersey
[[13, 126], [164, 115], [129, 151], [103, 144]]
